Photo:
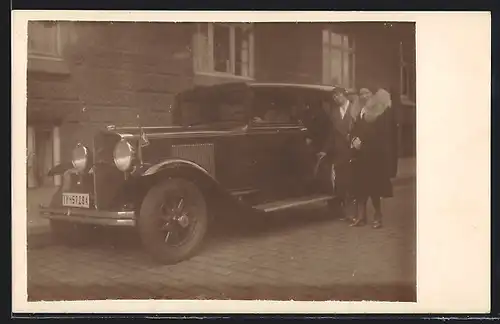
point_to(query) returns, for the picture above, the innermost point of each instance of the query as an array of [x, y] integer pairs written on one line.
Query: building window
[[407, 76], [338, 59], [44, 39], [224, 49]]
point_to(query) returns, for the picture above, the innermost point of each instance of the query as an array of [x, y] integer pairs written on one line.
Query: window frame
[[409, 97], [347, 51], [57, 56], [210, 71]]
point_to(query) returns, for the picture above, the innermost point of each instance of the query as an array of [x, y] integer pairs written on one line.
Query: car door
[[313, 117], [284, 164], [235, 161], [285, 161]]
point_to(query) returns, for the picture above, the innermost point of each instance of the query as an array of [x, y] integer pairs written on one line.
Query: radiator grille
[[202, 154]]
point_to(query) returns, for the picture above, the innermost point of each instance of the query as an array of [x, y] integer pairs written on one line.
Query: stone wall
[[115, 71], [289, 52]]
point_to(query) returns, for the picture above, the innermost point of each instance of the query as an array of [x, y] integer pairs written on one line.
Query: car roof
[[240, 85], [320, 87]]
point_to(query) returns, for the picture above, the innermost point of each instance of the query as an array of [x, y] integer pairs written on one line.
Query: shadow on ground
[[227, 228]]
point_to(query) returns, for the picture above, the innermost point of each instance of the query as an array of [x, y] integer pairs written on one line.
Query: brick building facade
[[354, 55], [84, 75]]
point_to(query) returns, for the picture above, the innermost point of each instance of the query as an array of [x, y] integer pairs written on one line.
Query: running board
[[244, 192], [291, 203]]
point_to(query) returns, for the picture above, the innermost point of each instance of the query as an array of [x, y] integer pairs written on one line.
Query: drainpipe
[[56, 149]]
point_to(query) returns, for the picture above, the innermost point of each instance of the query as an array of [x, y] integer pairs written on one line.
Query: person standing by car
[[364, 95], [372, 137], [336, 151]]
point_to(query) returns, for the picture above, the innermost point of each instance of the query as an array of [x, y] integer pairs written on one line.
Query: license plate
[[76, 200]]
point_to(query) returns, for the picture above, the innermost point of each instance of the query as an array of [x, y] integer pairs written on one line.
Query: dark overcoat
[[337, 147], [375, 163]]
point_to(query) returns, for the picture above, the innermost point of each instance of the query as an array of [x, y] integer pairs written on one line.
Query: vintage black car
[[231, 147]]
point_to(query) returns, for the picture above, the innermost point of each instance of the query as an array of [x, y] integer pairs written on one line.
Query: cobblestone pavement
[[300, 255]]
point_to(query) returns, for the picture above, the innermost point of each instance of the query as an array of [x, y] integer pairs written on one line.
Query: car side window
[[313, 115], [190, 113], [274, 108], [230, 112], [194, 112]]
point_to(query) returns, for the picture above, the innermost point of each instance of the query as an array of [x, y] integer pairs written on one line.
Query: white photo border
[[453, 164]]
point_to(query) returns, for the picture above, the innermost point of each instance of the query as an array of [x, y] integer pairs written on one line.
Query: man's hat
[[338, 90]]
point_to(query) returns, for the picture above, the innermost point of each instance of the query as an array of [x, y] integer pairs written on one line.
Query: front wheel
[[173, 220]]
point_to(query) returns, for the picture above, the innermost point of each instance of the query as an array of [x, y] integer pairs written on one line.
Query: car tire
[[152, 215], [69, 233]]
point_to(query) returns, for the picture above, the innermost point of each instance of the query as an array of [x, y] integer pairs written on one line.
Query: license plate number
[[76, 200]]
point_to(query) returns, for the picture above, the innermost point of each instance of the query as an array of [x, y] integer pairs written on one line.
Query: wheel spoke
[[174, 235], [165, 226], [175, 219], [180, 206]]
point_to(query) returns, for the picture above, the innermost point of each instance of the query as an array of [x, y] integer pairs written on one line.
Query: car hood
[[166, 131]]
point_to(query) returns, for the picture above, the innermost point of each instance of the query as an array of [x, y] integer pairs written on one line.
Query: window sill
[[224, 75], [51, 65], [407, 101], [210, 79]]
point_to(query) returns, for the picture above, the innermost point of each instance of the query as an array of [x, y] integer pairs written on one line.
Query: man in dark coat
[[337, 147]]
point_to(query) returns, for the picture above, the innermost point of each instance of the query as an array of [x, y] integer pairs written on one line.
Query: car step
[[244, 192], [291, 203]]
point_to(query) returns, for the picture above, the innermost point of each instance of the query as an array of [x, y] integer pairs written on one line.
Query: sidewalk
[[407, 170], [39, 231], [38, 227]]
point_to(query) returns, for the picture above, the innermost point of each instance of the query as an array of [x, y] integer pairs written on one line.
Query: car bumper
[[89, 216]]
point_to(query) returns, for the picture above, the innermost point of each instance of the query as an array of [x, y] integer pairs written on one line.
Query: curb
[[41, 237], [403, 180]]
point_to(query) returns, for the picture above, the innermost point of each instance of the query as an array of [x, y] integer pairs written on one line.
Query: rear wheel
[[173, 220]]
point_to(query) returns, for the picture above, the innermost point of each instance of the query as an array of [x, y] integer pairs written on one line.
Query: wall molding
[[47, 65]]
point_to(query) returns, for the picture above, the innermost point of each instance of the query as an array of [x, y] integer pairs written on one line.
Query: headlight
[[124, 155], [80, 158]]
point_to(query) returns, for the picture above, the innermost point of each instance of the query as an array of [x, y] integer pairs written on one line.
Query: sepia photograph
[[228, 160]]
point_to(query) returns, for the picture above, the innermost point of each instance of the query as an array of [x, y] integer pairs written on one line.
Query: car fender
[[190, 170], [170, 164]]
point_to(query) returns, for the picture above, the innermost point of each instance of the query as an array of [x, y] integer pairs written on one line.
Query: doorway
[[39, 156]]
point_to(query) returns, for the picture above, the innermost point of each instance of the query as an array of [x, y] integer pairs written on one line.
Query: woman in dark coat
[[372, 138]]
